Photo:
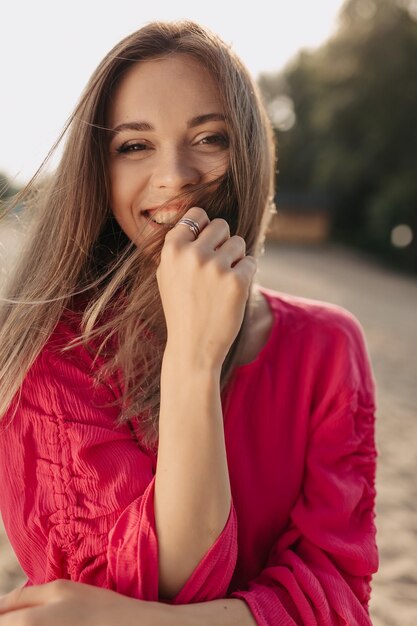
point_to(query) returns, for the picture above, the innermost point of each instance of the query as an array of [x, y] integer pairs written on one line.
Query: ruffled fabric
[[298, 547], [88, 490]]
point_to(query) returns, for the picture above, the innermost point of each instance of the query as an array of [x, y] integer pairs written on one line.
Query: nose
[[175, 170]]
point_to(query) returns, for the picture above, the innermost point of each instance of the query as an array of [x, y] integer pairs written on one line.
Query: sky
[[49, 48]]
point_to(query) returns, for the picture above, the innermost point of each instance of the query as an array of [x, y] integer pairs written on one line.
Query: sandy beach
[[385, 303]]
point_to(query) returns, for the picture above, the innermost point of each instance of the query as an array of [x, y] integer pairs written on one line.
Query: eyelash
[[212, 140], [131, 147], [219, 138]]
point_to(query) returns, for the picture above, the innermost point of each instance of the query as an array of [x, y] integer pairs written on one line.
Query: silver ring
[[192, 225]]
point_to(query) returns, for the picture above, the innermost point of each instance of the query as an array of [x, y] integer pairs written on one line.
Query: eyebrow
[[192, 123]]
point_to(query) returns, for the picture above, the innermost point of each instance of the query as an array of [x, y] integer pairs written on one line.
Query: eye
[[134, 146], [217, 139]]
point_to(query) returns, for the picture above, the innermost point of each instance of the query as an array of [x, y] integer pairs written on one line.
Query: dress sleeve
[[319, 570], [77, 493]]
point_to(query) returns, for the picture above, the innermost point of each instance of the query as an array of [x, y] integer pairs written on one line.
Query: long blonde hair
[[78, 254]]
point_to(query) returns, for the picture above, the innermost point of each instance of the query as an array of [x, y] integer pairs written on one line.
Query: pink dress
[[299, 543]]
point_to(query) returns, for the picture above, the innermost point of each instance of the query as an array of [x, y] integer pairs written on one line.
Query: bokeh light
[[401, 236]]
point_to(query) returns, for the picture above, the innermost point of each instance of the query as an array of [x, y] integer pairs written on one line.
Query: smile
[[164, 217]]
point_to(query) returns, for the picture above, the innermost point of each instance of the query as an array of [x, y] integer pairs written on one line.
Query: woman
[[173, 431]]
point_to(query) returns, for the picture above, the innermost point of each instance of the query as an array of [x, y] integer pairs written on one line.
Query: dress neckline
[[266, 348]]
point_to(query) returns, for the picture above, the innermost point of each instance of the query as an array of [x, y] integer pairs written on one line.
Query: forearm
[[228, 612], [66, 602], [192, 489], [225, 612]]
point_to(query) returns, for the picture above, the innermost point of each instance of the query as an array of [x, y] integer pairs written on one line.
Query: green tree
[[355, 137]]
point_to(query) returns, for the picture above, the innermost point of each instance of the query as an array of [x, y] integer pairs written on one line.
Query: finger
[[37, 616], [183, 232], [16, 599], [215, 234], [57, 614], [35, 595], [232, 251], [246, 268], [22, 597]]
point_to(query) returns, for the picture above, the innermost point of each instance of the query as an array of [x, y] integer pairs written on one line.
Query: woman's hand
[[204, 285], [66, 603]]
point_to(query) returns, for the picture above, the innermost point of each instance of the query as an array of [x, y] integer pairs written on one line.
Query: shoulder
[[58, 362], [324, 339], [62, 381], [66, 352], [313, 318]]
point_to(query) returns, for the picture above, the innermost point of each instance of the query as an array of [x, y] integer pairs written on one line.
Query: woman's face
[[168, 134]]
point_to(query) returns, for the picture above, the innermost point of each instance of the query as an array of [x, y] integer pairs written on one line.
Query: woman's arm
[[204, 286], [192, 490], [67, 603]]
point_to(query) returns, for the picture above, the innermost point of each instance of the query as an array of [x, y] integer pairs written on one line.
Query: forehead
[[173, 85]]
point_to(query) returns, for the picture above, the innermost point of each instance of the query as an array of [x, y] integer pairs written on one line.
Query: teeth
[[165, 217]]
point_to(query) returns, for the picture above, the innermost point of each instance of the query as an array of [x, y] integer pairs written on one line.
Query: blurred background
[[340, 84]]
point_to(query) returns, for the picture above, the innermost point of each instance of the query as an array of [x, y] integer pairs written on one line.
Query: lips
[[165, 216]]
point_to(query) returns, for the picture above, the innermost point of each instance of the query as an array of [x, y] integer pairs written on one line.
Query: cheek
[[220, 165], [126, 187], [115, 187], [123, 198], [225, 164]]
